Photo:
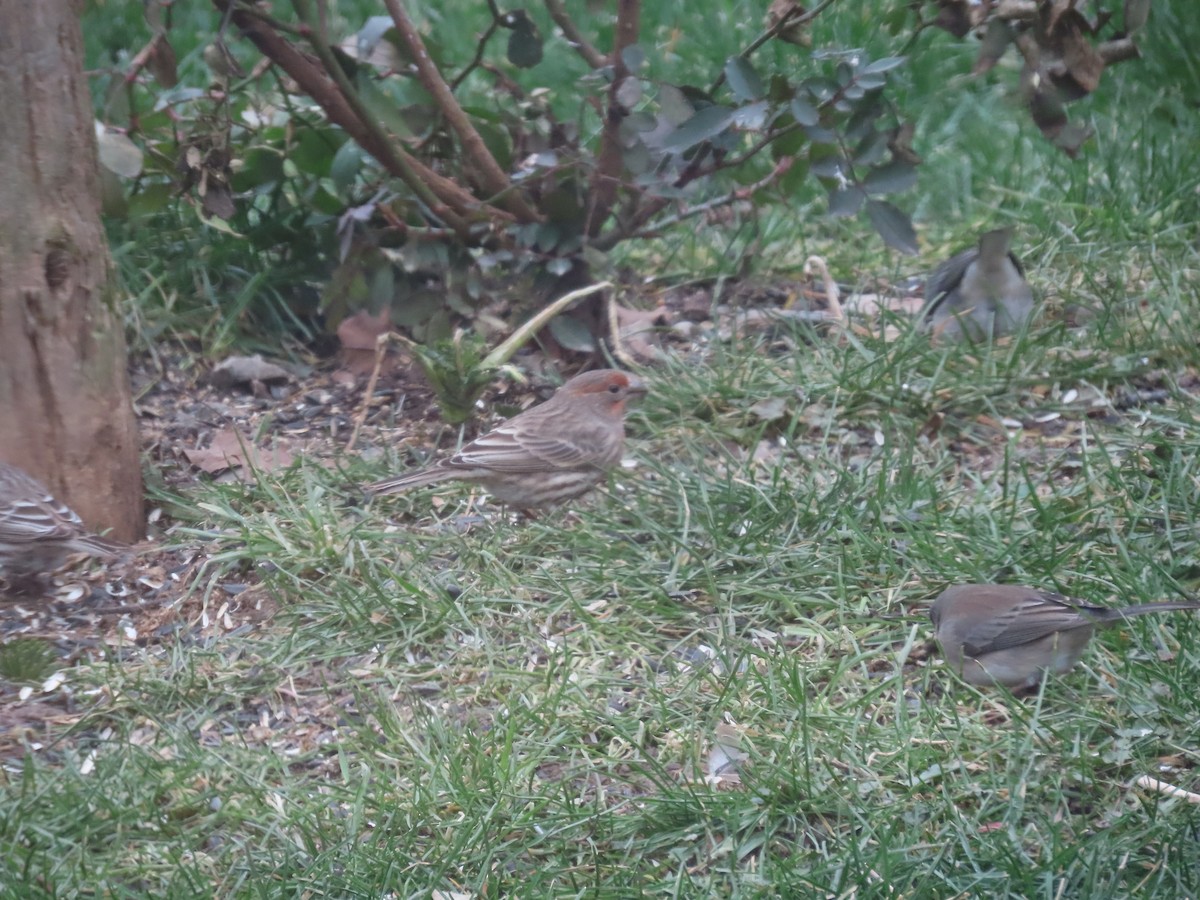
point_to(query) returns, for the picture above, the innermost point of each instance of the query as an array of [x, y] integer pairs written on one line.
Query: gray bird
[[1007, 634], [980, 293]]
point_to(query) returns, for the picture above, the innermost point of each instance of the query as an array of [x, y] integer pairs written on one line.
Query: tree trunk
[[65, 410]]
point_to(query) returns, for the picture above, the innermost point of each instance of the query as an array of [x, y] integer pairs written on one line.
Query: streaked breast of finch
[[37, 532], [548, 454]]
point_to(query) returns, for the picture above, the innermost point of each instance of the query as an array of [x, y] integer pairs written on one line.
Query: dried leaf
[[783, 16], [231, 450], [770, 409], [996, 38], [635, 328]]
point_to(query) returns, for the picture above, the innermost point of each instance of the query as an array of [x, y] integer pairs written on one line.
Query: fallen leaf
[[358, 335], [634, 326], [231, 450]]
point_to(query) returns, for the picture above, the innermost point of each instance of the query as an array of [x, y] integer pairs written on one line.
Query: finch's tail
[[432, 475]]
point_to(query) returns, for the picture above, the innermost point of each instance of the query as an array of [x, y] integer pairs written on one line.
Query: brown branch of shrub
[[478, 60], [609, 161], [744, 192], [399, 160], [142, 58], [451, 202], [786, 22], [492, 178], [635, 226], [574, 36]]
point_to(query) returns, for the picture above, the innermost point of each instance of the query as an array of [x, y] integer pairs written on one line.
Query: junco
[[980, 292], [1007, 634], [38, 532]]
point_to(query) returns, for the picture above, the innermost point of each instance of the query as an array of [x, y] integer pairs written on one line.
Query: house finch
[[547, 454], [1010, 635], [980, 293], [37, 532]]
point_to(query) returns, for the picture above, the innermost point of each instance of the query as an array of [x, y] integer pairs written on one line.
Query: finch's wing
[[509, 449], [38, 517]]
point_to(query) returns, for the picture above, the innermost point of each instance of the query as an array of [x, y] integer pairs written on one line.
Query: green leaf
[[151, 199], [891, 178], [804, 112], [381, 290], [382, 106], [704, 125], [634, 57], [573, 334], [346, 164], [893, 225], [313, 149], [819, 135], [871, 149], [752, 116], [745, 83], [261, 168], [794, 181], [637, 159], [846, 201], [821, 88], [788, 144], [674, 104], [828, 165], [882, 65]]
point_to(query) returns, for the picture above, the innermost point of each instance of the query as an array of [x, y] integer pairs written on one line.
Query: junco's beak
[[979, 293], [1010, 635]]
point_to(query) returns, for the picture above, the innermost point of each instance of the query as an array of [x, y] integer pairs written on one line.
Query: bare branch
[[492, 178], [609, 161], [574, 36], [451, 201]]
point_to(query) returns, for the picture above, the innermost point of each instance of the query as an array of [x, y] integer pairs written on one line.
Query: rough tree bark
[[65, 410]]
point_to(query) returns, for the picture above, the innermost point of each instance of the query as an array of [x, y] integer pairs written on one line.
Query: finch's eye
[[614, 389]]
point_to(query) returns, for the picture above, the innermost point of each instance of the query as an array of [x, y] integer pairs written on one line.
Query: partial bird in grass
[[981, 293], [37, 532]]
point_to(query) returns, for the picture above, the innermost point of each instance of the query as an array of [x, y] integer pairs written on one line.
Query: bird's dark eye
[[614, 389]]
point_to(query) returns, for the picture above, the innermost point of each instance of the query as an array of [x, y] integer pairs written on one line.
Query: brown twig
[[492, 178], [142, 58], [317, 36], [452, 201], [574, 36], [381, 344], [478, 59], [741, 193], [609, 160], [786, 22]]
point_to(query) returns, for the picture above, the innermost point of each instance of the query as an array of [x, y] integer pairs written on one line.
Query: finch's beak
[[637, 387]]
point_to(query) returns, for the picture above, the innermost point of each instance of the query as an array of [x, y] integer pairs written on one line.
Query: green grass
[[531, 710]]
